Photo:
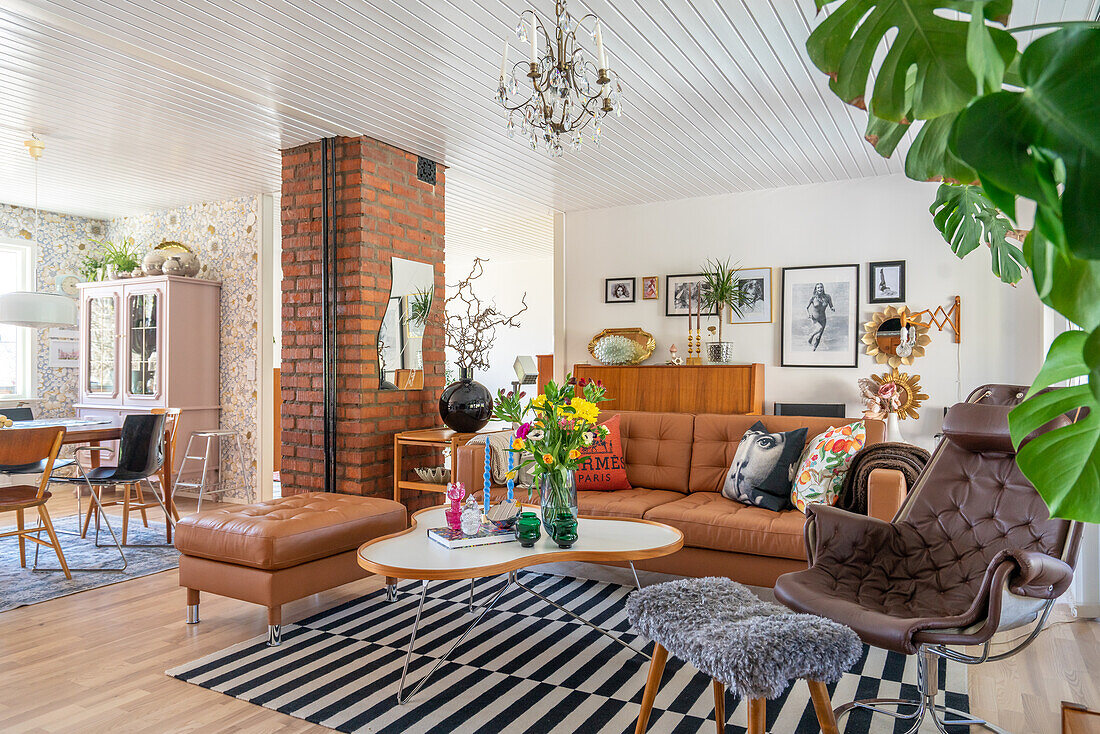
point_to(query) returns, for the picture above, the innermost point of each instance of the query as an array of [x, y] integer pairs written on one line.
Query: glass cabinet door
[[144, 373], [102, 345]]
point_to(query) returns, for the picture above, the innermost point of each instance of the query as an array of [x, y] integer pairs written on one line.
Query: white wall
[[858, 221], [505, 281]]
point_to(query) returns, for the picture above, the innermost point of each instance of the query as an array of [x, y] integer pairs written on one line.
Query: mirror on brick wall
[[401, 335]]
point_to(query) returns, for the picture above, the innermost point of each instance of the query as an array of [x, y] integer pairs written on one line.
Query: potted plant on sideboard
[[722, 289]]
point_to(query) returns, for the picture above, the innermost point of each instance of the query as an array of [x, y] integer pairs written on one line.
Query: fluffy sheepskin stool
[[753, 647]]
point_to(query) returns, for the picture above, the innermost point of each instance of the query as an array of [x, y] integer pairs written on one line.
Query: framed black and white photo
[[886, 282], [820, 315], [618, 290], [757, 286], [682, 295]]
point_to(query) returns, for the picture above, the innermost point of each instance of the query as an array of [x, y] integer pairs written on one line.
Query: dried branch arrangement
[[471, 326]]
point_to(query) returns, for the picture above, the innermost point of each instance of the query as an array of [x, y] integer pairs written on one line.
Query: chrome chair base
[[923, 708]]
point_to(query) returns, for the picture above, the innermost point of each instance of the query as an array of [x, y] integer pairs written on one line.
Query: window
[[17, 343]]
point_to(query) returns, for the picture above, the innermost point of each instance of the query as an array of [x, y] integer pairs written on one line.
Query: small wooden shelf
[[440, 438]]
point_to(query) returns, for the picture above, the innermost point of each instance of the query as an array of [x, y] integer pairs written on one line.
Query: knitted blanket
[[904, 457], [498, 457]]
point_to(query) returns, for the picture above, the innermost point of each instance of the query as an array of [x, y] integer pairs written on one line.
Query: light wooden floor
[[95, 661]]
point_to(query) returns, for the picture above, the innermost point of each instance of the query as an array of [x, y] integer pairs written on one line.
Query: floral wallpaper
[[225, 236], [62, 239]]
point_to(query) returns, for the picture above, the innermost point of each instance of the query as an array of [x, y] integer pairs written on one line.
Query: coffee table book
[[456, 539]]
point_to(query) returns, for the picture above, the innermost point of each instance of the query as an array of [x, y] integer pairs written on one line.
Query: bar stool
[[212, 437]]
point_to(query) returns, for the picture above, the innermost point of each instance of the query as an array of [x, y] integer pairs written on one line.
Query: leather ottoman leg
[[192, 606], [275, 625]]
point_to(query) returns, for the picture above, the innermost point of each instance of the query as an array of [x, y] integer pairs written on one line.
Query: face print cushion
[[763, 467]]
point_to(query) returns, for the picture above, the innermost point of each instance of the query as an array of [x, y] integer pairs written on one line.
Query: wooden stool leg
[[823, 707], [758, 716], [125, 512], [19, 525], [45, 517], [141, 501], [719, 705], [652, 683], [91, 509]]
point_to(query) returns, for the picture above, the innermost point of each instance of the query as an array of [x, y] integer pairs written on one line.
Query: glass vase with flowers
[[552, 428]]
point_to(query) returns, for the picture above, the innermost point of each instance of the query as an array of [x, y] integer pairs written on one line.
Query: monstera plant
[[995, 123]]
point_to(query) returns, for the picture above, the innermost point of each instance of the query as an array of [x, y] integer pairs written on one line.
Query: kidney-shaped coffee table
[[411, 554]]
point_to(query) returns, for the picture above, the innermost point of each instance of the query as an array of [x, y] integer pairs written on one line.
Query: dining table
[[95, 431]]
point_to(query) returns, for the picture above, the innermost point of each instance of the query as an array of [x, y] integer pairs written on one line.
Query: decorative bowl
[[434, 474]]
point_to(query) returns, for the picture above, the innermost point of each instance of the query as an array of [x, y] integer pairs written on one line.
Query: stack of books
[[488, 535]]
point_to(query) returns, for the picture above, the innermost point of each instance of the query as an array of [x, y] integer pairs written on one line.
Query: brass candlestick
[[695, 341]]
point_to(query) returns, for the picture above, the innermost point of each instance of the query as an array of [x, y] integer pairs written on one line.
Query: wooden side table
[[439, 438]]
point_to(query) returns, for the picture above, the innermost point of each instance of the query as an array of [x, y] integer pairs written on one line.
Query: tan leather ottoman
[[277, 551]]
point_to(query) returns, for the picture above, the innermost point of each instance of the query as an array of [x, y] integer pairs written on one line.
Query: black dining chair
[[140, 456], [18, 414]]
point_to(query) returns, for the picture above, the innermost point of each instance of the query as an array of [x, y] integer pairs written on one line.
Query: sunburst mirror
[[909, 393], [894, 336]]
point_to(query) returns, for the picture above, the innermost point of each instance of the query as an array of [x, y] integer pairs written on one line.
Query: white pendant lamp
[[36, 310]]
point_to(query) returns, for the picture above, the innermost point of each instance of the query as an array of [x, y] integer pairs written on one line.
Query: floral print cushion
[[825, 462]]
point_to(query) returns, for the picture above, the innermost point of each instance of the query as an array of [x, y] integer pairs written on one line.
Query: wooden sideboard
[[710, 388]]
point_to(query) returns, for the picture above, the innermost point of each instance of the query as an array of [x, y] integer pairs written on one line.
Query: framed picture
[[886, 282], [618, 290], [758, 288], [682, 295], [64, 354], [649, 287], [820, 316]]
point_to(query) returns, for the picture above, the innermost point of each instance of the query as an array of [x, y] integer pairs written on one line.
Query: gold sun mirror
[[909, 392], [894, 336]]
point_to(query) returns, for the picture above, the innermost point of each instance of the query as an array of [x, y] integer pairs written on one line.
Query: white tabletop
[[413, 555]]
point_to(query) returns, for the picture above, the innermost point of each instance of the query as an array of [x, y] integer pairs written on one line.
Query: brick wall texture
[[382, 211]]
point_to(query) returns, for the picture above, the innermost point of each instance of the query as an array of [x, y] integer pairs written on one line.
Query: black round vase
[[465, 405]]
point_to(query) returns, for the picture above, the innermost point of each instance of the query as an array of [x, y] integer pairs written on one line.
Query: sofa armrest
[[886, 492], [468, 465], [1039, 575]]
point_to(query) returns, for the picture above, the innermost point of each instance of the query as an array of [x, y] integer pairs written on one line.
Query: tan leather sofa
[[676, 464]]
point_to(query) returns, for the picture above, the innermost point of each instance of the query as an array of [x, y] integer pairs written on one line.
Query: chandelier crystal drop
[[558, 92]]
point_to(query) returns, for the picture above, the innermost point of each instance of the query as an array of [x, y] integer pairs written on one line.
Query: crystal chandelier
[[565, 89]]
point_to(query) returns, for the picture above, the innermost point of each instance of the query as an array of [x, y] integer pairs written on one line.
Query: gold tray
[[634, 333]]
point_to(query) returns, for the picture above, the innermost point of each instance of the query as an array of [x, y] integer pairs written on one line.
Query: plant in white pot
[[722, 289]]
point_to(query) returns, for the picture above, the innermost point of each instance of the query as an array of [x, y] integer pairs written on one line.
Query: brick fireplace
[[381, 211]]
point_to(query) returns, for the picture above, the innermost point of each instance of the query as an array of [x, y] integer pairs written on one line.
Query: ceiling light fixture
[[566, 90]]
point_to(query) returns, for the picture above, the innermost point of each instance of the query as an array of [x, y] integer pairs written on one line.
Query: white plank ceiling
[[147, 104]]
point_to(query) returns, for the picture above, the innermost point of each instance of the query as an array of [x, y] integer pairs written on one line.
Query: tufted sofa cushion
[[288, 531], [717, 438], [656, 448]]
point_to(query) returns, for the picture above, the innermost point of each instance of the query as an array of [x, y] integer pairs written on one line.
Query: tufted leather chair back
[[972, 503]]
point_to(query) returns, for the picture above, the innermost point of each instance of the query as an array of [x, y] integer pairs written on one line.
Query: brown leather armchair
[[973, 551]]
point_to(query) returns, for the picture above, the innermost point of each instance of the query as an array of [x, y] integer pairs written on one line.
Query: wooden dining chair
[[165, 478], [20, 448]]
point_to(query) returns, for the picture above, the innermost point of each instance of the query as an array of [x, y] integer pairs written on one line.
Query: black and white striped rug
[[526, 668]]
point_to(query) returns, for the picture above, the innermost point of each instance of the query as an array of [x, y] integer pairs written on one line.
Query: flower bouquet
[[553, 427], [881, 402]]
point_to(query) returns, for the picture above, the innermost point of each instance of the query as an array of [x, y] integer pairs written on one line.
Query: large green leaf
[[929, 159], [844, 46], [1056, 116], [1069, 483], [967, 218]]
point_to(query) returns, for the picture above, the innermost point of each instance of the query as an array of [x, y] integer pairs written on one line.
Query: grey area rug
[[526, 668], [22, 586]]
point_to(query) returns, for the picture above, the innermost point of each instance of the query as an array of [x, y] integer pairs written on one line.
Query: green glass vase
[[528, 529]]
